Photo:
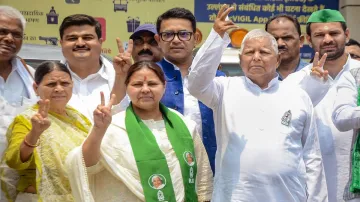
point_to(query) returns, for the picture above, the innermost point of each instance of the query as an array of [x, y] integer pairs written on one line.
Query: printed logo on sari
[[190, 160], [158, 181]]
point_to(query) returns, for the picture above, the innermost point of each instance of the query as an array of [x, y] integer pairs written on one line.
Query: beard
[[333, 55]]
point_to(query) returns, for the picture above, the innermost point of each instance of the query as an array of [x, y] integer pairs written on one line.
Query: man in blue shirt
[[286, 30], [177, 38]]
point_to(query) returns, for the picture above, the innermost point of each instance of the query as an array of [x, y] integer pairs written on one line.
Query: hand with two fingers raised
[[40, 121], [102, 120], [122, 61], [102, 114], [318, 67]]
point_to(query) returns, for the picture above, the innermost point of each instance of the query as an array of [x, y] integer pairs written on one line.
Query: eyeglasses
[[182, 35], [4, 32]]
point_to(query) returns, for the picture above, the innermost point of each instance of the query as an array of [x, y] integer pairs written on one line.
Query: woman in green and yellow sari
[[40, 138]]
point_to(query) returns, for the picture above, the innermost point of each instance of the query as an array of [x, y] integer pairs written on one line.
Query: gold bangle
[[30, 145]]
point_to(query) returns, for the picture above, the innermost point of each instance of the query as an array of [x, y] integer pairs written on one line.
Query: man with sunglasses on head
[[176, 38], [145, 46]]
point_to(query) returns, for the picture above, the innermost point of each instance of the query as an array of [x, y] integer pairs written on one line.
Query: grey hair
[[156, 176], [259, 33], [13, 13]]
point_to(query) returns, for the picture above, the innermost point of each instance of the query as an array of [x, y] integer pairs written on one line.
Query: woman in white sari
[[149, 152]]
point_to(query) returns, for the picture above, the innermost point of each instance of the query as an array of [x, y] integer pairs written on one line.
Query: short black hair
[[289, 17], [47, 67], [178, 13], [352, 42], [78, 20], [308, 30]]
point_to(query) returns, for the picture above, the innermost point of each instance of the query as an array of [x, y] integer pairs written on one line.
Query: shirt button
[[176, 92], [175, 107]]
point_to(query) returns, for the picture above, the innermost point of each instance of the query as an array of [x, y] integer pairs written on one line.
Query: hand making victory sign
[[40, 121], [102, 119], [221, 24], [102, 114], [122, 61], [318, 67]]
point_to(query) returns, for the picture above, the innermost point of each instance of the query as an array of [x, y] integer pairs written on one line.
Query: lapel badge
[[286, 118]]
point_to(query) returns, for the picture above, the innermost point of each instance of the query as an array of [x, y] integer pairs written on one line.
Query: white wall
[[351, 10]]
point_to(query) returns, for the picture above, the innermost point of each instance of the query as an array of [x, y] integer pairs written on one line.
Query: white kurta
[[120, 180], [335, 145], [16, 94], [258, 157], [191, 104], [345, 116]]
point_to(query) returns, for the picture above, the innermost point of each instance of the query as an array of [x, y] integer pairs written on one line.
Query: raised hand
[[122, 61], [318, 67], [102, 114], [40, 121], [221, 24]]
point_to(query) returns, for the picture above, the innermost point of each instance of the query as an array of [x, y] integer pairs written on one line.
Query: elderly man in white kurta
[[267, 140], [16, 78]]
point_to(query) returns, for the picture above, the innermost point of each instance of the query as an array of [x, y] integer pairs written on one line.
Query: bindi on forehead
[[145, 78]]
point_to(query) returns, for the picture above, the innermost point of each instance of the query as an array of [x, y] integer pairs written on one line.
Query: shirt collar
[[15, 64], [300, 65], [272, 84], [175, 67], [346, 67], [102, 71], [347, 64]]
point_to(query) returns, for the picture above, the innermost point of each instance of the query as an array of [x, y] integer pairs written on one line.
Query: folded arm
[[315, 87], [346, 113], [16, 152]]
